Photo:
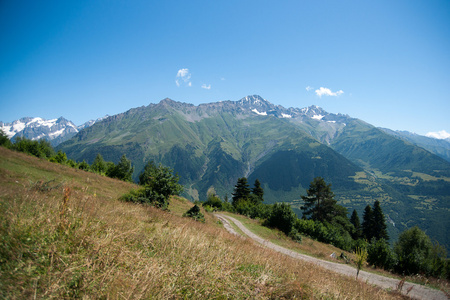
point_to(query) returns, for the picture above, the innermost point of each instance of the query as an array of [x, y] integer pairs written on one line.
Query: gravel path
[[416, 291]]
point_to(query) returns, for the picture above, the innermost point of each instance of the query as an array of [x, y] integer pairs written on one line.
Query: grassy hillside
[[64, 234]]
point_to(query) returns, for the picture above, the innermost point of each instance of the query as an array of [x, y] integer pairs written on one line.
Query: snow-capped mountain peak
[[54, 130]]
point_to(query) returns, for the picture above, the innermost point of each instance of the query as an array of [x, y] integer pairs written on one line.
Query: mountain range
[[211, 145], [55, 131]]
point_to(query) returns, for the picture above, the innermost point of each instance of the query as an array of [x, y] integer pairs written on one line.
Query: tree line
[[123, 170], [324, 220]]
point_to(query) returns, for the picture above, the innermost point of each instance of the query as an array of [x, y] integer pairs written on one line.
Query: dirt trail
[[416, 291]]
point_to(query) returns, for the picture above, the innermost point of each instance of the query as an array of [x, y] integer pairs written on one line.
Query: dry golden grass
[[64, 234]]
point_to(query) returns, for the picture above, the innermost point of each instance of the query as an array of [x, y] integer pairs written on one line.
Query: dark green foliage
[[123, 170], [380, 254], [159, 184], [258, 191], [99, 165], [214, 202], [368, 223], [146, 195], [325, 233], [241, 191], [248, 208], [417, 255], [195, 213], [4, 140], [380, 228], [282, 217], [41, 148], [83, 166], [71, 163], [60, 158], [319, 204], [354, 219], [160, 179], [374, 223]]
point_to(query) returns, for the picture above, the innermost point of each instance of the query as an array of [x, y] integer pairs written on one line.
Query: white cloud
[[327, 92], [206, 87], [308, 88], [183, 76], [439, 135]]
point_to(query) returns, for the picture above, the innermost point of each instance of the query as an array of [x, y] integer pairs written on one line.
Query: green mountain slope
[[212, 145]]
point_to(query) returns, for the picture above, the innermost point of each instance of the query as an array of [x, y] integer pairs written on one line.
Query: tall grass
[[66, 236]]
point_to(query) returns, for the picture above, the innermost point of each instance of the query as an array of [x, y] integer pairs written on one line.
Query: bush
[[60, 158], [214, 202], [380, 254], [195, 213], [146, 195], [282, 217], [413, 249], [160, 179]]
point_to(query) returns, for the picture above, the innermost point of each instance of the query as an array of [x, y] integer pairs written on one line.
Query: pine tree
[[368, 223], [99, 165], [241, 190], [123, 170], [380, 228], [258, 190], [320, 202], [354, 219]]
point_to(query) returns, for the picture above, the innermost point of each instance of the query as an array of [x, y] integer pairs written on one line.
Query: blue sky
[[385, 62]]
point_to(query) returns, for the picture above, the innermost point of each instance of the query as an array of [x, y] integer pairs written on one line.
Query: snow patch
[[286, 116], [57, 133], [259, 113], [331, 121], [317, 117]]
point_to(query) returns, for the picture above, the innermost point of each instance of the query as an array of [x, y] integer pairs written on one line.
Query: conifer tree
[[354, 219], [99, 165], [319, 202], [258, 190], [241, 190], [379, 226], [368, 223]]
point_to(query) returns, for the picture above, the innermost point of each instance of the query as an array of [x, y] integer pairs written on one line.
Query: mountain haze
[[212, 145]]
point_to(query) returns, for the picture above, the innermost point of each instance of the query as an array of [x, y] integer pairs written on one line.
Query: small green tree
[[60, 158], [361, 256], [213, 201], [123, 170], [159, 184], [414, 252], [241, 191], [160, 179], [83, 165], [319, 203], [195, 213], [99, 165], [368, 223], [379, 222], [258, 191]]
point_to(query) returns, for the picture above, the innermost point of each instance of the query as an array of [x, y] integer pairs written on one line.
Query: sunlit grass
[[65, 235]]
